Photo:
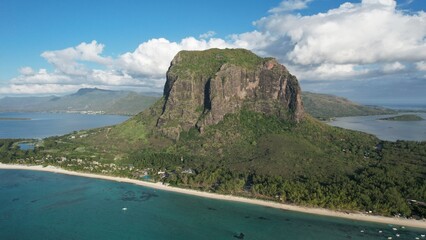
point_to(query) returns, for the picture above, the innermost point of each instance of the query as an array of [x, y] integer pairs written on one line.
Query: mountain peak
[[203, 86], [83, 91]]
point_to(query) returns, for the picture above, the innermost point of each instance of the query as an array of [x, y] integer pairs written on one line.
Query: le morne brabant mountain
[[94, 100], [232, 122]]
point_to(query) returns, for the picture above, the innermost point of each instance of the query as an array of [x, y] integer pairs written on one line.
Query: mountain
[[85, 99], [22, 104], [85, 91], [232, 122], [202, 87], [325, 106]]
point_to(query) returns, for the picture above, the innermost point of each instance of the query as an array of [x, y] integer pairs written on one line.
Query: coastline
[[317, 211]]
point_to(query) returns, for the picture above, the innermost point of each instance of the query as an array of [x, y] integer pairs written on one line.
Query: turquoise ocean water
[[41, 205]]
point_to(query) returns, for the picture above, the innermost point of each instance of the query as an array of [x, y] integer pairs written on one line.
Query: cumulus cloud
[[39, 88], [259, 42], [379, 3], [26, 71], [364, 33], [421, 66], [352, 40], [208, 34], [393, 67], [290, 5], [41, 77], [68, 60], [337, 71]]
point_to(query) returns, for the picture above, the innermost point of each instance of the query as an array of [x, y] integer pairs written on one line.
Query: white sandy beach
[[317, 211]]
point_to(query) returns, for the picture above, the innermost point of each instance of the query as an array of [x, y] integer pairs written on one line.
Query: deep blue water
[[41, 205], [43, 125], [385, 130]]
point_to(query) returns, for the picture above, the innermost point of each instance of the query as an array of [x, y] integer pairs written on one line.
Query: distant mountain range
[[95, 100], [325, 106], [88, 100]]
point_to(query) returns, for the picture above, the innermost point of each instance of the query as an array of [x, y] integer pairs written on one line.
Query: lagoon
[[384, 129]]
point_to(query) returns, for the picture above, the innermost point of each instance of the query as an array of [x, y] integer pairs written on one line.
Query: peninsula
[[404, 117]]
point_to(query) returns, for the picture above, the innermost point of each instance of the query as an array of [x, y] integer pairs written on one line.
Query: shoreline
[[310, 210]]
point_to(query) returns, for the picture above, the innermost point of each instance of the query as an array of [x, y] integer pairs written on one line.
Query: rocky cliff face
[[203, 86]]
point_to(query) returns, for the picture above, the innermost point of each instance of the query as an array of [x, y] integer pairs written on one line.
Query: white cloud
[[68, 60], [335, 70], [39, 89], [393, 67], [379, 3], [42, 77], [369, 32], [208, 34], [256, 41], [421, 66], [149, 59], [26, 71], [152, 58], [357, 36], [290, 5], [328, 71]]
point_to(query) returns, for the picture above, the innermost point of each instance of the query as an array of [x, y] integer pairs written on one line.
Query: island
[[403, 118]]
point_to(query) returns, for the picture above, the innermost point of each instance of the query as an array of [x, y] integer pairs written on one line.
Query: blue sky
[[372, 51], [29, 28]]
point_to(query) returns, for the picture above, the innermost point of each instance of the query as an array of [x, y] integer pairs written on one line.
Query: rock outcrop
[[203, 86]]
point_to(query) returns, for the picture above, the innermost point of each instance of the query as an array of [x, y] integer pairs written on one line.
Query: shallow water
[[26, 146], [41, 205], [383, 129]]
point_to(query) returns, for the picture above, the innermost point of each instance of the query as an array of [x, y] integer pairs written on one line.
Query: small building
[[188, 171]]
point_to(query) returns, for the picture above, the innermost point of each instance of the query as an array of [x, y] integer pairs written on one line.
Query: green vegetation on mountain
[[404, 117], [325, 106], [253, 151], [207, 63]]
